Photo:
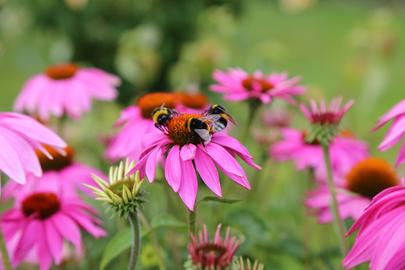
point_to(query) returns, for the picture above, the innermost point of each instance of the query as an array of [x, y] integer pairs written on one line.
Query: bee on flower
[[192, 142]]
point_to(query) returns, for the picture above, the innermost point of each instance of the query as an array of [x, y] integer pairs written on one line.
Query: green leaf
[[220, 200], [117, 245]]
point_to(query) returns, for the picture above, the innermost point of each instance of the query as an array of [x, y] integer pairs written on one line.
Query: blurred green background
[[350, 48]]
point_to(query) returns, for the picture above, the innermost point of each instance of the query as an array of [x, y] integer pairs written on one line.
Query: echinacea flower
[[396, 131], [345, 151], [20, 136], [122, 192], [236, 85], [206, 254], [42, 221], [325, 119], [380, 239], [62, 171], [136, 121], [362, 183], [182, 152], [66, 89]]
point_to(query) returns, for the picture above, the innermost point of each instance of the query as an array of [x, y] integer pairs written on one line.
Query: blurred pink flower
[[345, 151], [183, 152], [66, 90], [136, 120], [20, 135], [396, 131], [351, 205], [380, 239], [213, 254], [365, 180], [236, 84], [324, 115], [39, 224], [61, 172]]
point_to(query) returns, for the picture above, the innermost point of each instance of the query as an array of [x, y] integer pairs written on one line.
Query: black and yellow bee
[[215, 119], [219, 116], [161, 116], [201, 127]]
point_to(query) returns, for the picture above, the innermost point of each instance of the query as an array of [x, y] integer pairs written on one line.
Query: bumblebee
[[161, 116], [219, 117], [199, 127]]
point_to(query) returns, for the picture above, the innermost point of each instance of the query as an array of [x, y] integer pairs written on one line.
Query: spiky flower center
[[61, 72], [371, 176], [211, 255], [194, 101], [59, 160], [147, 103], [41, 205], [178, 131], [250, 81], [116, 188]]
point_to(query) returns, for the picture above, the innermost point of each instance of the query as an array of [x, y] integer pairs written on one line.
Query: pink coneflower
[[66, 90], [236, 84], [20, 135], [183, 152], [345, 151], [39, 224], [62, 172], [396, 131], [212, 254], [380, 239], [365, 180], [136, 121], [321, 114]]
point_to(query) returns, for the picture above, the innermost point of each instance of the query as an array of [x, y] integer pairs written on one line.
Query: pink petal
[[208, 172], [173, 168], [152, 162], [68, 229], [189, 185], [224, 159], [54, 240], [29, 237], [397, 110], [85, 221], [187, 152]]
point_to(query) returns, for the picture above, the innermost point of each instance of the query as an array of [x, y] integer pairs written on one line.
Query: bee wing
[[211, 117], [204, 135]]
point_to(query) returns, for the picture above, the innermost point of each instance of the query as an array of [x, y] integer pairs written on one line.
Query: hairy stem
[[135, 240], [155, 242], [337, 221]]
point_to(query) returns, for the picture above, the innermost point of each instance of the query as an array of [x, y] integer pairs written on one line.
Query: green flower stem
[[3, 249], [253, 107], [135, 240], [4, 253], [337, 221], [191, 221], [155, 243]]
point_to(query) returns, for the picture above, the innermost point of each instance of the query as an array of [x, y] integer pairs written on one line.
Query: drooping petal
[[208, 172], [189, 185], [173, 169], [54, 241]]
